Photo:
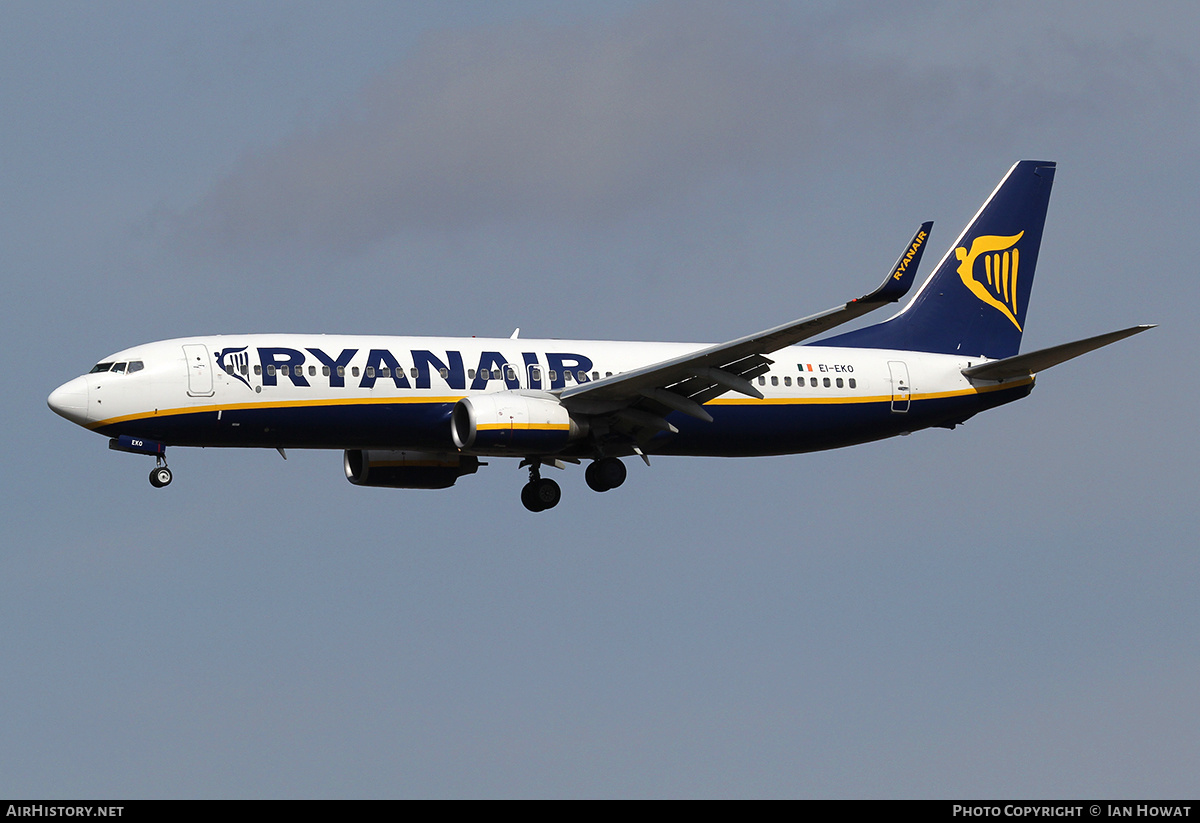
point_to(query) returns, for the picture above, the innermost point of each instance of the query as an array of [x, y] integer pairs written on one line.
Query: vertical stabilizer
[[974, 302]]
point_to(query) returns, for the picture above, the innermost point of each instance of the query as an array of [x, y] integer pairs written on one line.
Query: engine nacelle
[[402, 469], [510, 422]]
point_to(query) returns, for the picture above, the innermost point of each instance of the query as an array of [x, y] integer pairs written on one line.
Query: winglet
[[900, 278]]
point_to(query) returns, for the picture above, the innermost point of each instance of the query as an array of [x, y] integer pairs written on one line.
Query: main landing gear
[[542, 493], [604, 474]]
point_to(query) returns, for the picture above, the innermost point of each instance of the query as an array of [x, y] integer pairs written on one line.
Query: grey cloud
[[531, 122]]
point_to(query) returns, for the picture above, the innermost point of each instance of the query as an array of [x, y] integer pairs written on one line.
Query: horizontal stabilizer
[[1023, 365]]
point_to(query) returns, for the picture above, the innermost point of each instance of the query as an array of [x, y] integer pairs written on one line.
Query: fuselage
[[382, 392], [420, 412]]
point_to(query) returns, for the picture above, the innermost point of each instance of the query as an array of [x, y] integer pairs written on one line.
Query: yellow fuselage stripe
[[879, 398], [720, 401], [278, 404]]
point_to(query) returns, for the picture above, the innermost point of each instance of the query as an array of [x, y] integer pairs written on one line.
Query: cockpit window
[[119, 368]]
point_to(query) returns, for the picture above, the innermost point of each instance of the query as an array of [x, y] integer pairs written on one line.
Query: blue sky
[[1007, 609]]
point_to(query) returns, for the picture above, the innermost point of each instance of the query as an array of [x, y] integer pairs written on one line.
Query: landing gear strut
[[604, 474], [160, 476], [540, 493]]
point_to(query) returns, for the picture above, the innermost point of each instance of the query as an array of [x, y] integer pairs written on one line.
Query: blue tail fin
[[974, 302]]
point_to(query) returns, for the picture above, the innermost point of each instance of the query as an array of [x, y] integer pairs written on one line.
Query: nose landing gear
[[160, 476]]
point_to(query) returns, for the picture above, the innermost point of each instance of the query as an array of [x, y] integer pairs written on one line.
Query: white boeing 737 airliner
[[420, 412]]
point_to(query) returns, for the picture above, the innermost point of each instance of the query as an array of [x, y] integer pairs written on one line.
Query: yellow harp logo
[[996, 285]]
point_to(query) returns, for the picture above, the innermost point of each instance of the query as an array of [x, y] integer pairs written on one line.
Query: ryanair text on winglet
[[908, 256]]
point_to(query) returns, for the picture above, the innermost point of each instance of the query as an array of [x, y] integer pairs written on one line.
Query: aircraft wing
[[1023, 365], [641, 397]]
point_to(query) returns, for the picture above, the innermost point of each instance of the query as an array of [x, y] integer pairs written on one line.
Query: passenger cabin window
[[853, 384], [787, 381], [444, 373], [774, 380]]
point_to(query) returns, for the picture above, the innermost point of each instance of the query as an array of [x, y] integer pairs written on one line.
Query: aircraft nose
[[70, 400]]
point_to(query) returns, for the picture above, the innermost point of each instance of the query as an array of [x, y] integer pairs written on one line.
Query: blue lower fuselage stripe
[[737, 429]]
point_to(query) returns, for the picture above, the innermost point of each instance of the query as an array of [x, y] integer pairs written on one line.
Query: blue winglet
[[902, 275]]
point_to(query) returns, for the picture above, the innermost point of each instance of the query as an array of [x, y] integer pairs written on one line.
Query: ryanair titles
[[902, 266], [416, 371]]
